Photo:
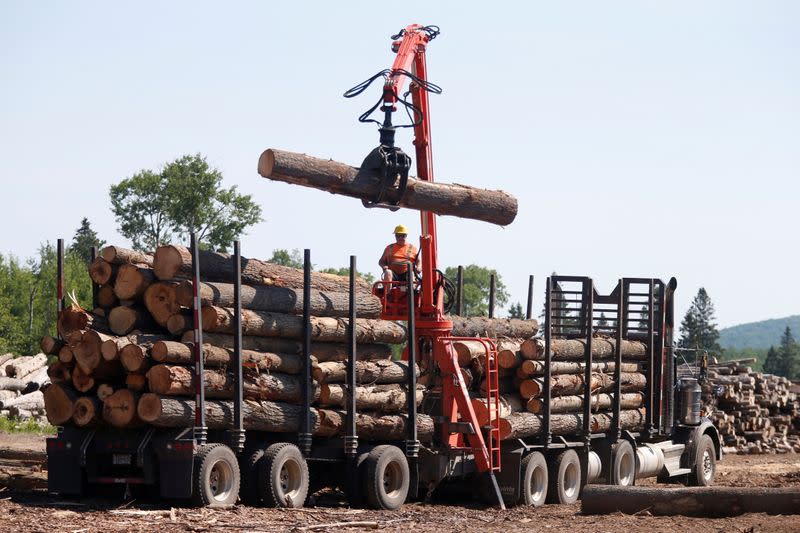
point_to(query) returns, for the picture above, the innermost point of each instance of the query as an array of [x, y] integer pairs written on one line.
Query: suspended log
[[123, 319], [536, 368], [279, 417], [49, 345], [569, 384], [102, 272], [161, 301], [266, 324], [88, 412], [573, 404], [323, 351], [705, 502], [575, 349], [59, 402], [73, 318], [19, 367], [106, 297], [508, 403], [388, 398], [214, 356], [494, 328], [522, 425], [119, 409], [367, 372], [176, 261], [132, 281], [59, 373], [119, 256], [496, 207]]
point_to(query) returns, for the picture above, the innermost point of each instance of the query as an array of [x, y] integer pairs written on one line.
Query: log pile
[[755, 413], [20, 381], [128, 363]]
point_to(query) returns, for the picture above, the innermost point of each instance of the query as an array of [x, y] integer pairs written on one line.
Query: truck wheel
[[283, 476], [623, 464], [248, 492], [216, 476], [564, 478], [534, 479], [386, 477], [705, 463]]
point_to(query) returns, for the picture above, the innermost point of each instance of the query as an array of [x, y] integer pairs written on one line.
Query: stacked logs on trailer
[[20, 381], [521, 386], [755, 413], [129, 362]]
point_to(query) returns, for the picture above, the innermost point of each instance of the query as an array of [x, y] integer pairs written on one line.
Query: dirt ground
[[26, 506]]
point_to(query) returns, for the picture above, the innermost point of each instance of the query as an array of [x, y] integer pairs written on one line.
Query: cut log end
[[119, 409], [59, 404]]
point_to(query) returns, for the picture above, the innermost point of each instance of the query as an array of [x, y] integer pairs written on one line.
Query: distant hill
[[758, 334]]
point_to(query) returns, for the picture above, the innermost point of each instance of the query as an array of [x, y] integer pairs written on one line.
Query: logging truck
[[595, 399]]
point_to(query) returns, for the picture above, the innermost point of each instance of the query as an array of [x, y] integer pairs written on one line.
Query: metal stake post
[[237, 433], [200, 431], [529, 310], [304, 438], [412, 439], [351, 437], [492, 288], [95, 287], [546, 435], [460, 291]]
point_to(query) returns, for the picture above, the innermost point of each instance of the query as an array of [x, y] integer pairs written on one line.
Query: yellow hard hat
[[401, 229]]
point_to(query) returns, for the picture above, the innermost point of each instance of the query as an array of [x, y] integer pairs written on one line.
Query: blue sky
[[641, 138]]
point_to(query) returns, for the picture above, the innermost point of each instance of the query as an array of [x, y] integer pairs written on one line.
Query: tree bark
[[123, 319], [112, 348], [494, 328], [266, 324], [161, 300], [367, 372], [521, 425], [59, 402], [88, 412], [281, 299], [536, 368], [21, 366], [569, 384], [509, 403], [87, 347], [496, 207], [389, 398], [213, 356], [49, 345], [277, 417], [468, 351], [73, 318], [34, 398], [102, 272], [119, 409], [132, 281], [705, 502], [322, 351], [14, 384], [119, 256], [574, 349], [572, 404]]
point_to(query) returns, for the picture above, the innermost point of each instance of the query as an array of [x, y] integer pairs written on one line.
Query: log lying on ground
[[280, 299], [119, 409], [49, 345], [266, 324], [521, 425], [117, 255], [36, 379], [323, 351], [124, 319], [21, 366], [704, 502], [102, 272], [7, 394], [389, 398], [12, 384], [87, 412], [496, 207], [276, 417], [3, 360], [569, 384], [536, 368], [169, 380], [367, 372], [214, 356], [34, 398], [573, 404], [574, 349], [132, 281], [176, 261], [73, 318], [479, 326], [59, 401]]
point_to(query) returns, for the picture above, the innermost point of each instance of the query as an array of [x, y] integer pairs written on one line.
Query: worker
[[396, 255]]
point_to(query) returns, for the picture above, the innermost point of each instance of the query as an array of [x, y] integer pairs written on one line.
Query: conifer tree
[[699, 327], [85, 237]]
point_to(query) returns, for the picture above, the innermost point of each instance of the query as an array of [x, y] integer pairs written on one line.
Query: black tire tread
[[554, 481], [371, 490], [524, 470], [198, 493], [265, 487], [248, 491]]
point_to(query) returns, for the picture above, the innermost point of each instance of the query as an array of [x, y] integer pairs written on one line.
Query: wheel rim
[[708, 465], [220, 480], [392, 479], [571, 480], [626, 469], [538, 484], [290, 479]]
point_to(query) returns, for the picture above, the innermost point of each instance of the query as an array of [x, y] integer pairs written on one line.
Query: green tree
[[772, 363], [476, 289], [515, 311], [186, 196], [699, 327], [288, 258], [83, 241], [789, 356]]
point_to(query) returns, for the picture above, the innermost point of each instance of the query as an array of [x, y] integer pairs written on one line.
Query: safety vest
[[399, 253]]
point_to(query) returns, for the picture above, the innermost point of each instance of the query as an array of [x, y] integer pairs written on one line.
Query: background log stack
[[754, 412], [20, 380]]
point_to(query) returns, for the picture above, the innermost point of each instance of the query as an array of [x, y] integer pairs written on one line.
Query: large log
[[521, 425], [388, 398], [12, 384], [106, 297], [280, 299], [496, 207], [86, 348], [117, 255], [87, 412], [59, 373], [536, 368], [119, 409], [705, 502], [572, 404], [66, 356], [82, 381], [508, 403], [570, 384], [180, 353], [322, 351], [73, 318], [124, 319], [36, 379], [34, 398], [367, 372], [180, 322], [161, 300], [112, 348], [478, 326], [102, 272], [575, 349], [176, 261], [59, 401], [49, 345], [21, 366], [278, 417], [132, 281], [326, 329]]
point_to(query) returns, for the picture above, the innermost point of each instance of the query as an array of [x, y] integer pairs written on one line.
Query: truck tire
[[623, 464], [564, 478], [534, 480], [251, 463], [705, 463], [386, 477], [283, 476], [215, 475]]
